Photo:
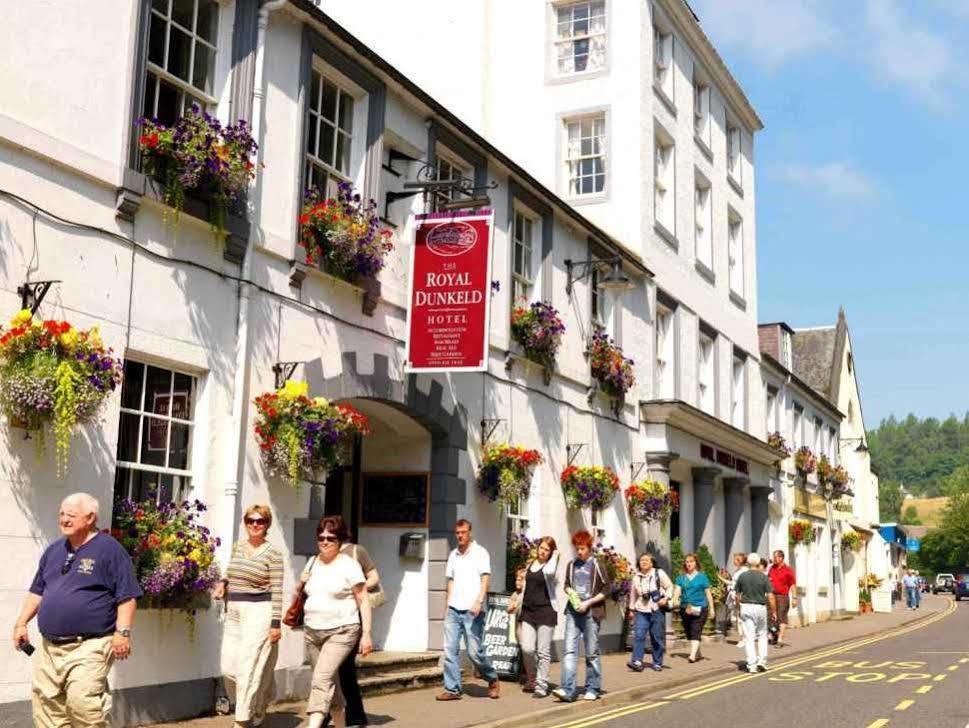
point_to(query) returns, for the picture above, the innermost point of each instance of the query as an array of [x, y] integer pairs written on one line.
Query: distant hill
[[919, 453], [929, 510]]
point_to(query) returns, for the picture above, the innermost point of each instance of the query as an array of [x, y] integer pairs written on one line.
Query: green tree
[[946, 548], [957, 482], [889, 501], [911, 517], [709, 567]]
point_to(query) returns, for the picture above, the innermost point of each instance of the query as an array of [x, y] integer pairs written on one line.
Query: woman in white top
[[337, 613], [649, 596]]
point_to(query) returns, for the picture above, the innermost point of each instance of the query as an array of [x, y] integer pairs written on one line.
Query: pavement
[[627, 690]]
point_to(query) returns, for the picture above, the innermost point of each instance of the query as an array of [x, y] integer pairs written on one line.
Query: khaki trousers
[[248, 657], [327, 648], [70, 684]]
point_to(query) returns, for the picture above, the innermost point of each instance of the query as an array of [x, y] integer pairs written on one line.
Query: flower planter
[[612, 372], [805, 461], [590, 486], [538, 330], [505, 473], [650, 501]]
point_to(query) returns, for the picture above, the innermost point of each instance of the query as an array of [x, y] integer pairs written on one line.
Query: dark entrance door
[[341, 494]]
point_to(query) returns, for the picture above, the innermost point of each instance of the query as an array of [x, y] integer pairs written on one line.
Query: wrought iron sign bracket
[[283, 371], [635, 468], [572, 451], [32, 294], [488, 427]]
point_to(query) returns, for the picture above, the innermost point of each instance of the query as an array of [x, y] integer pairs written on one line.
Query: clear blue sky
[[862, 189]]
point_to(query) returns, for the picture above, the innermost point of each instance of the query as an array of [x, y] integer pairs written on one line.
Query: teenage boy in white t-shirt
[[468, 571]]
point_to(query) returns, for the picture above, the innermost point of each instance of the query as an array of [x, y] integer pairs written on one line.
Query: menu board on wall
[[395, 499]]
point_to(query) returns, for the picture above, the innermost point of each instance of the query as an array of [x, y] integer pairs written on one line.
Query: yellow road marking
[[878, 723], [950, 668], [940, 678], [924, 689], [618, 713], [964, 660], [904, 705]]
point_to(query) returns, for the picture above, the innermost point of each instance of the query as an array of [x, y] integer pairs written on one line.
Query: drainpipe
[[233, 465]]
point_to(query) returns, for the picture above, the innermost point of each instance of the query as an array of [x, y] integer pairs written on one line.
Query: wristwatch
[[126, 632]]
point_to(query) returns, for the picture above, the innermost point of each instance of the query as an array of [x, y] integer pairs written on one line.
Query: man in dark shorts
[[784, 582]]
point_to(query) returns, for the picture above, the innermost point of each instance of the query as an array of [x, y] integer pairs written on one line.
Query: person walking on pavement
[[337, 620], [730, 582], [84, 596], [784, 581], [693, 595], [650, 595], [253, 594], [755, 594], [537, 616], [467, 572], [586, 586], [911, 584]]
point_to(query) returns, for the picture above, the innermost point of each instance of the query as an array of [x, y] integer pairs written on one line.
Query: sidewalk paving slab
[[418, 709]]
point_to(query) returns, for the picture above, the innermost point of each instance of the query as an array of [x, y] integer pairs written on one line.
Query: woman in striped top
[[253, 592]]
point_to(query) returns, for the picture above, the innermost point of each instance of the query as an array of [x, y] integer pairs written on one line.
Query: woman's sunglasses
[[327, 539], [255, 522]]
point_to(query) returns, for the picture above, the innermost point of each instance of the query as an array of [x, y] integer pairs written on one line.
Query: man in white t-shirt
[[468, 571]]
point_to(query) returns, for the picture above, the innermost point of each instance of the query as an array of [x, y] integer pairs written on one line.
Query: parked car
[[961, 587], [943, 583]]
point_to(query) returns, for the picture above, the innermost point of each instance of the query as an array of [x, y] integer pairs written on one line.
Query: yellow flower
[[69, 340], [294, 390], [94, 337], [321, 401], [23, 317]]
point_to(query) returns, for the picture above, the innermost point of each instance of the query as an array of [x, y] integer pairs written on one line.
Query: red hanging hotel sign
[[450, 280]]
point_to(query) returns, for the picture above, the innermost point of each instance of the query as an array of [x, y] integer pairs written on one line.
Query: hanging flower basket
[[618, 570], [172, 552], [304, 437], [776, 441], [519, 550], [823, 470], [839, 478], [197, 154], [591, 486], [851, 541], [613, 371], [342, 235], [54, 374], [649, 501], [800, 531], [805, 461], [538, 330], [869, 582], [505, 474]]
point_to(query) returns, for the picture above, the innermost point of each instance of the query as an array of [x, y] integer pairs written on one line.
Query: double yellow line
[[734, 680]]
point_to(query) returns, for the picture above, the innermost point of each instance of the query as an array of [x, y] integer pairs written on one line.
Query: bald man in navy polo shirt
[[84, 593]]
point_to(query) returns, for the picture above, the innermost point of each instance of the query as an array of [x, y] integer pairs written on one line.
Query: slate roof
[[813, 354]]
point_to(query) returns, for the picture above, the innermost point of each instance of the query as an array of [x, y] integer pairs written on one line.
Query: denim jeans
[[457, 624], [911, 597], [581, 627], [653, 624]]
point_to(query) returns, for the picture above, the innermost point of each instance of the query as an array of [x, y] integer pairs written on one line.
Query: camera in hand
[[27, 648]]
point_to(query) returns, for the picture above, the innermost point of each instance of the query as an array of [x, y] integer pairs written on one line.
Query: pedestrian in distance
[[911, 584], [83, 596], [586, 586], [918, 589], [784, 581], [650, 596], [467, 572], [253, 593], [729, 580], [537, 611], [693, 596], [755, 594], [336, 621]]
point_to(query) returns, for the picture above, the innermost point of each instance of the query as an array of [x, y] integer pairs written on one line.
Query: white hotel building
[[590, 161]]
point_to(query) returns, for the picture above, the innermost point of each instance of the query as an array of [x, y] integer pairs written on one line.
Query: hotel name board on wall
[[809, 503], [450, 292]]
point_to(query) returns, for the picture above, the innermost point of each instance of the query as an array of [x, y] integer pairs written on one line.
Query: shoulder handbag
[[295, 616], [377, 598]]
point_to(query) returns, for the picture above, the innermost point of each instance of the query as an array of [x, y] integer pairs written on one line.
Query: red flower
[[149, 140]]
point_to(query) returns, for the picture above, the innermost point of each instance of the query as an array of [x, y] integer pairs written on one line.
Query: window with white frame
[[448, 168], [663, 61], [738, 405], [833, 445], [772, 424], [598, 532], [797, 426], [585, 155], [602, 305], [664, 180], [735, 252], [706, 380], [823, 437], [580, 37], [516, 516], [701, 110], [329, 137], [182, 47], [816, 437], [703, 221], [523, 277], [734, 155], [665, 353], [155, 434]]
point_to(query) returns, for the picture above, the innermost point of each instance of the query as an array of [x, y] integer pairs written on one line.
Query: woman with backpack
[[649, 596]]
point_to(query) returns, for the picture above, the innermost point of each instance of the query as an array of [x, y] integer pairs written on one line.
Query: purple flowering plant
[[199, 153], [613, 371], [588, 486], [52, 373], [172, 551], [650, 500], [538, 329], [343, 234]]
